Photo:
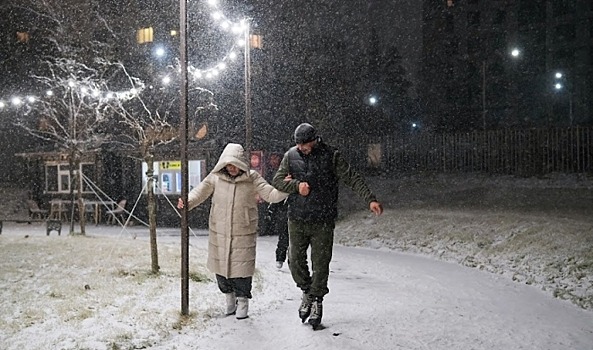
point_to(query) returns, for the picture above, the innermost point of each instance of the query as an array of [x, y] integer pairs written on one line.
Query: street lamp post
[[248, 124], [559, 86], [514, 53], [484, 94], [184, 164]]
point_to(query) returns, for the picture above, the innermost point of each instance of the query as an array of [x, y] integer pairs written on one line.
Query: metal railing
[[522, 152]]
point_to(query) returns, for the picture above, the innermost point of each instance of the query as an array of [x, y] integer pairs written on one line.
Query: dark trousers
[[279, 225], [320, 237], [241, 286], [276, 223], [282, 246]]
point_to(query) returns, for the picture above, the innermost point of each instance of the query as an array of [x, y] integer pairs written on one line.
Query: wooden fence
[[528, 152]]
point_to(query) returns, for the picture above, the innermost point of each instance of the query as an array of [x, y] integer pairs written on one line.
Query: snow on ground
[[486, 265], [537, 231]]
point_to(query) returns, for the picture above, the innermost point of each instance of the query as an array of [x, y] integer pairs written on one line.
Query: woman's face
[[233, 170]]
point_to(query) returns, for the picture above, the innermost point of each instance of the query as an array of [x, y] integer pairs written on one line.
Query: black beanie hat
[[304, 133]]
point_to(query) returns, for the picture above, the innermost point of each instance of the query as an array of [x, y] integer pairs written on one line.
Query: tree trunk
[[81, 207], [76, 197], [154, 256]]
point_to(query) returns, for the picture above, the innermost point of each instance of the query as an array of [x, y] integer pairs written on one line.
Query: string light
[[18, 101], [235, 28]]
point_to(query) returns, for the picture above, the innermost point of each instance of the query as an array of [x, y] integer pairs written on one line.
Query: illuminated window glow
[[144, 35]]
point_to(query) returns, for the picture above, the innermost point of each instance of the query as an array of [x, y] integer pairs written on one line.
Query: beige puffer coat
[[233, 214]]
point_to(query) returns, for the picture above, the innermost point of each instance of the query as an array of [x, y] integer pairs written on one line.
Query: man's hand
[[304, 189], [376, 208], [180, 204]]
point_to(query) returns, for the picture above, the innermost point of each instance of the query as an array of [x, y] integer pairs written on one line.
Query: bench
[[50, 224]]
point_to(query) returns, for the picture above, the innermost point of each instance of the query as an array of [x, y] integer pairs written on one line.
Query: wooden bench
[[50, 224]]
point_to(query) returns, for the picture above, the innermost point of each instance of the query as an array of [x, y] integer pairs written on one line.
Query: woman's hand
[[180, 204]]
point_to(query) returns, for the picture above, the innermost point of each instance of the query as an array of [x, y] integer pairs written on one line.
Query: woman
[[233, 223]]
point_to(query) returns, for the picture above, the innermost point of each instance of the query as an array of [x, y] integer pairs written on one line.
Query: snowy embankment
[[97, 292], [535, 231]]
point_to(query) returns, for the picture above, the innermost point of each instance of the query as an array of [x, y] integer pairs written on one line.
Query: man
[[313, 170], [276, 222]]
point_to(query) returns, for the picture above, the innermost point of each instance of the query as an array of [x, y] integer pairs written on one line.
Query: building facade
[[491, 64]]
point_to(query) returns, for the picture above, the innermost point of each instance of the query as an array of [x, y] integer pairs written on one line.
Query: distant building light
[[22, 37], [144, 35], [174, 33], [159, 52], [255, 41], [515, 52]]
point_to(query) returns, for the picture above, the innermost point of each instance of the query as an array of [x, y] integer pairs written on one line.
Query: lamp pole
[[184, 166], [248, 125], [559, 86], [515, 52], [570, 107], [484, 94]]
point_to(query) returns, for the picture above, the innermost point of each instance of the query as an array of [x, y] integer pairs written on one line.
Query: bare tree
[[77, 80], [80, 115], [75, 110], [154, 123]]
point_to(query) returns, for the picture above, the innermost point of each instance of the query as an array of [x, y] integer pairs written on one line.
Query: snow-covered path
[[387, 300]]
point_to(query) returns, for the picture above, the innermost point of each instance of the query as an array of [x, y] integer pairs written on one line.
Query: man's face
[[255, 161], [306, 148], [275, 161]]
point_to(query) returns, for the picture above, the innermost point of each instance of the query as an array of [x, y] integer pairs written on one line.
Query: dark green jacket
[[322, 169]]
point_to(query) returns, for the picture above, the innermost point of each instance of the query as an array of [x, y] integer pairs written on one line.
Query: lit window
[[22, 37], [168, 175], [174, 33], [144, 35], [255, 41], [57, 177]]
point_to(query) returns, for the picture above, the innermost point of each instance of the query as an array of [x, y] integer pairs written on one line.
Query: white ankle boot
[[242, 308], [231, 303]]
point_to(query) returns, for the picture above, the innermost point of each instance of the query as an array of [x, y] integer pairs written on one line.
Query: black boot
[[316, 313], [305, 308]]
